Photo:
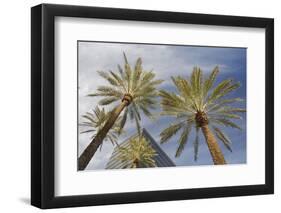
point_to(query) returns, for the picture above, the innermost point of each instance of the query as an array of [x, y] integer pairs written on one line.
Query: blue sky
[[165, 60]]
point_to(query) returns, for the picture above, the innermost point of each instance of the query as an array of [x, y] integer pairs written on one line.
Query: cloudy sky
[[165, 60]]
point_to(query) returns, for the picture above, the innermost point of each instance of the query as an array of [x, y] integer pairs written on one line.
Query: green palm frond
[[136, 111], [227, 116], [146, 111], [223, 138], [225, 122], [223, 89], [231, 110], [108, 100], [196, 82], [218, 90], [183, 139], [87, 131], [121, 73], [137, 73], [89, 117], [167, 133], [222, 104], [118, 79], [185, 89], [172, 103], [109, 78], [209, 82], [137, 124], [107, 91]]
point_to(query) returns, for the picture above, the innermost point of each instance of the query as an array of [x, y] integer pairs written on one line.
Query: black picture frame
[[43, 102]]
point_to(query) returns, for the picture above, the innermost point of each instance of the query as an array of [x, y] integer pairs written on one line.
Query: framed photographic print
[[139, 106]]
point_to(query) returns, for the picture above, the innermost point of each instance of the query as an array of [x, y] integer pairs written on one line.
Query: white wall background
[[15, 105]]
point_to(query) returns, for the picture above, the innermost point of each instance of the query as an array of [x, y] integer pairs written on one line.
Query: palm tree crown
[[135, 86], [138, 153], [199, 104], [94, 122]]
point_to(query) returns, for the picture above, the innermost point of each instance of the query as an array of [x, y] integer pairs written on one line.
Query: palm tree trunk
[[213, 146], [91, 149], [136, 163]]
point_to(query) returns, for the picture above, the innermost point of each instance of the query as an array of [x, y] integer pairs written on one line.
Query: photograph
[[160, 105]]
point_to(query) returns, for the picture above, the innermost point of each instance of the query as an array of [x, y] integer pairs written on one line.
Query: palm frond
[[222, 103], [208, 83], [88, 124], [128, 73], [223, 138], [131, 113], [107, 91], [226, 122], [218, 91], [108, 100], [183, 139], [146, 111], [107, 77], [138, 125], [119, 80], [125, 58], [171, 102], [88, 117], [87, 131], [196, 81], [121, 73], [226, 116], [232, 110], [167, 133], [148, 76], [137, 73], [185, 89]]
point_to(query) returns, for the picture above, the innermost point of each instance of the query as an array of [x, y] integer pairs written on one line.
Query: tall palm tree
[[138, 154], [199, 104], [94, 122], [132, 91]]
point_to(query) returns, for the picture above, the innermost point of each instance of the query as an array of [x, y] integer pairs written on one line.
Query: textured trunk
[[136, 163], [91, 149], [213, 146]]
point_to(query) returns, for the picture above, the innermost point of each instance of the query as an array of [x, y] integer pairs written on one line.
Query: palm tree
[[134, 89], [94, 122], [199, 105], [138, 154]]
